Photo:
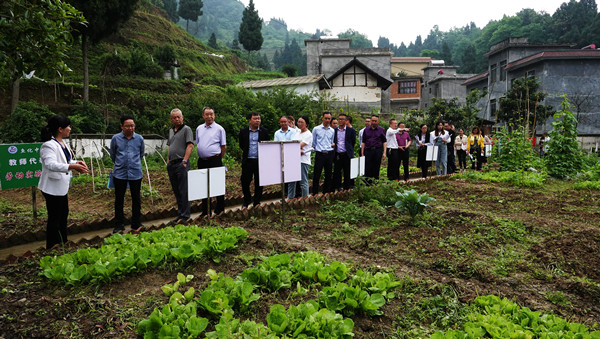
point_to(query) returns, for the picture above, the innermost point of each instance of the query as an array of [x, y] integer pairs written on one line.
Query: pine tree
[[212, 41], [190, 10], [250, 30], [170, 7]]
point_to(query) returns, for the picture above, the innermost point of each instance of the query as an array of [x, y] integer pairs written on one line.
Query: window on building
[[354, 76], [493, 73], [437, 90], [407, 87], [429, 90], [502, 70], [493, 107]]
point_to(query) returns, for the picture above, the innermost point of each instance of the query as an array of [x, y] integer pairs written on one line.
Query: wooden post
[[33, 202]]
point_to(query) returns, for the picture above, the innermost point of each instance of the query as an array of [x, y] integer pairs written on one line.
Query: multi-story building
[[442, 82], [359, 77], [407, 74], [561, 71]]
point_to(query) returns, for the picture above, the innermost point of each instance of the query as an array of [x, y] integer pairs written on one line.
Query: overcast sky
[[398, 20]]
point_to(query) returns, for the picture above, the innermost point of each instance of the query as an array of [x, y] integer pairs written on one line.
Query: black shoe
[[119, 228], [174, 221], [138, 228], [217, 212], [183, 220]]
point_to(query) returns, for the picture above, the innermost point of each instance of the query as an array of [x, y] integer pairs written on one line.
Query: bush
[[564, 159], [114, 64], [514, 151], [384, 192], [412, 202], [87, 118], [25, 123]]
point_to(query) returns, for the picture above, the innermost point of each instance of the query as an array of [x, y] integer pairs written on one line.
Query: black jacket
[[349, 141], [244, 139]]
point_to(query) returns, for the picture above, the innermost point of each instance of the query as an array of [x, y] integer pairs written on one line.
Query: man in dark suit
[[344, 140], [249, 139]]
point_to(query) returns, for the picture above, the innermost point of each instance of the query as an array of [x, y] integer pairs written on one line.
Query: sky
[[398, 20]]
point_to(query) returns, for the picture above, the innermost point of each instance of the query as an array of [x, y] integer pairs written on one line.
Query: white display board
[[269, 162], [198, 183], [432, 153], [488, 150], [357, 167]]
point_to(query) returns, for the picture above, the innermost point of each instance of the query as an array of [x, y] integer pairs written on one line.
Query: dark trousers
[[462, 158], [341, 163], [249, 170], [403, 158], [58, 211], [178, 176], [212, 163], [451, 163], [323, 161], [134, 188], [373, 162], [479, 158], [393, 168]]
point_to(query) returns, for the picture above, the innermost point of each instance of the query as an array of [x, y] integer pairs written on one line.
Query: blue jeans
[[303, 183], [442, 158]]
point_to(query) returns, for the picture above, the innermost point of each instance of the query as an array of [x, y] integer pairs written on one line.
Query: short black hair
[[326, 113], [252, 114], [207, 107], [349, 118], [375, 116], [126, 117]]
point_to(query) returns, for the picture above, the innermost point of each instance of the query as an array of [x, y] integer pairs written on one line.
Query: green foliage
[[250, 35], [521, 178], [412, 202], [368, 212], [25, 123], [289, 70], [523, 101], [514, 151], [35, 36], [212, 41], [165, 56], [359, 40], [563, 157], [502, 318], [123, 254], [384, 192], [170, 6], [86, 117], [114, 63], [140, 63], [190, 10]]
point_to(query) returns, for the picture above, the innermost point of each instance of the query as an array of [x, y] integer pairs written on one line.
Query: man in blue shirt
[[284, 133], [211, 146], [126, 151], [324, 153]]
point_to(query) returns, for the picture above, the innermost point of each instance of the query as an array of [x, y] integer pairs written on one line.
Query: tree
[[446, 54], [358, 40], [104, 17], [212, 41], [522, 104], [235, 44], [190, 10], [383, 42], [432, 53], [250, 35], [165, 56], [469, 60], [35, 36], [170, 7], [290, 70]]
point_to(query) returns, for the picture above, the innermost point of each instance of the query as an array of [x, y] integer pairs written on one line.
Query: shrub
[[114, 64], [514, 151], [25, 123], [564, 158], [86, 117], [412, 202]]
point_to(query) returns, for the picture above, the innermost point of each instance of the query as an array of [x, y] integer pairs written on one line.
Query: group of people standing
[[333, 148], [449, 146]]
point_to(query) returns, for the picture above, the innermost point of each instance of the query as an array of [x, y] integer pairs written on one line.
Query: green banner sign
[[20, 165]]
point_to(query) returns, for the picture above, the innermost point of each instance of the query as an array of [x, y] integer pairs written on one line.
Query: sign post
[[287, 154], [21, 166]]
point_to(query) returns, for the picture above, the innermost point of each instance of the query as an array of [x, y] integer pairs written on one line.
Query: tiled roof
[[566, 54], [307, 79], [476, 78]]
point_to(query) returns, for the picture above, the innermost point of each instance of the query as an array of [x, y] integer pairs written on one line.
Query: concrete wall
[[314, 49], [304, 89]]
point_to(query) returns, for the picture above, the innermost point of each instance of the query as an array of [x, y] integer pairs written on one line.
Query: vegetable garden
[[489, 258]]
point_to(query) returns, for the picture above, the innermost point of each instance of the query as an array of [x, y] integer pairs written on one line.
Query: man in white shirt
[[360, 133], [284, 133], [393, 169]]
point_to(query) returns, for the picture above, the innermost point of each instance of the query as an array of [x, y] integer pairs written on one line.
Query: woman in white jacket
[[57, 163]]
